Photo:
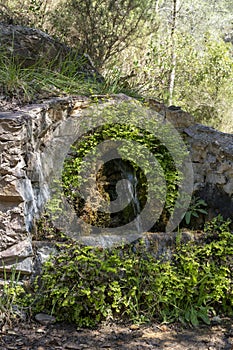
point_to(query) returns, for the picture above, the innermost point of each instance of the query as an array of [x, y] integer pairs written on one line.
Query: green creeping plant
[[86, 285], [195, 209]]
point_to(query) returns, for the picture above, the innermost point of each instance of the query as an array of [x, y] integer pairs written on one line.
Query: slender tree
[[172, 72]]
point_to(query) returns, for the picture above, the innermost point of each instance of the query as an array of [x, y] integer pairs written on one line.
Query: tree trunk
[[173, 51]]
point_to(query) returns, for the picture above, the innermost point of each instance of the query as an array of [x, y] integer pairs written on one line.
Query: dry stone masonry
[[27, 155], [23, 188], [212, 158]]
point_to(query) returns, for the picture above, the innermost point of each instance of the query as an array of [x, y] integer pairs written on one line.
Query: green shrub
[[102, 29], [85, 285], [88, 143]]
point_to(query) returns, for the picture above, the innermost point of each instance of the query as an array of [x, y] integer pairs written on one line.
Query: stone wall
[[23, 183], [212, 157], [32, 139]]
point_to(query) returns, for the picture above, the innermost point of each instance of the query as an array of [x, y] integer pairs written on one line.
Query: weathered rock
[[175, 115], [31, 46], [163, 245], [45, 319], [42, 252], [12, 224], [212, 156], [24, 266], [34, 138], [19, 250], [18, 257]]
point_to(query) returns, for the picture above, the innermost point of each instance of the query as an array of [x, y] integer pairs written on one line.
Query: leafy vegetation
[[175, 51], [40, 81], [71, 171], [12, 287], [102, 28], [196, 208], [86, 285]]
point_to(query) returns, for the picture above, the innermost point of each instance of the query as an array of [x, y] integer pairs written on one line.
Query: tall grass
[[41, 80]]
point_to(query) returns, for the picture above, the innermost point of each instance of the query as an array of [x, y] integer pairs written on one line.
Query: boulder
[[30, 46]]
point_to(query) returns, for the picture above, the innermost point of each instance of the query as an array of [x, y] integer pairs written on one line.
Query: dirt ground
[[33, 336]]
